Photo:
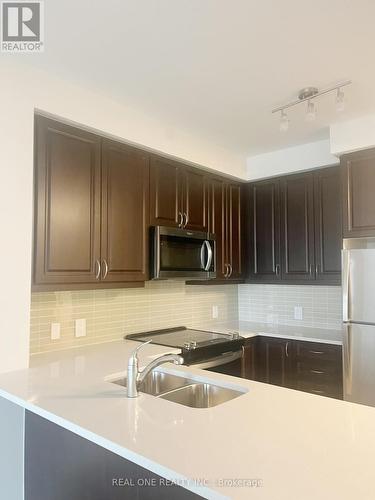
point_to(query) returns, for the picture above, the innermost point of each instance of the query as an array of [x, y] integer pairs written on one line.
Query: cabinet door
[[328, 227], [217, 191], [234, 230], [249, 359], [125, 176], [359, 200], [274, 361], [165, 193], [297, 235], [67, 204], [195, 200], [264, 231]]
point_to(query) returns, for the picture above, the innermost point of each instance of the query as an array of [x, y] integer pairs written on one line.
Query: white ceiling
[[217, 67]]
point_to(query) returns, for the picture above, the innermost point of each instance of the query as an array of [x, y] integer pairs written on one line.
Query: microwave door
[[183, 254]]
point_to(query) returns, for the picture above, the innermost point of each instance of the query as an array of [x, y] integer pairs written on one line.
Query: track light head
[[284, 121], [340, 100], [310, 111]]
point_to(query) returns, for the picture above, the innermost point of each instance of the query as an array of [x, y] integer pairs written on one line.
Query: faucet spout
[[136, 376], [171, 358]]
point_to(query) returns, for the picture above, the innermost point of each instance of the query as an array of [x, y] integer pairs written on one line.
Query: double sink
[[185, 391]]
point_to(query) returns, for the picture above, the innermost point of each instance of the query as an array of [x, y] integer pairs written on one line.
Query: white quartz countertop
[[249, 329], [299, 445]]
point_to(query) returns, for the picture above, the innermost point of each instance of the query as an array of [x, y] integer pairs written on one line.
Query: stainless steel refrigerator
[[358, 282]]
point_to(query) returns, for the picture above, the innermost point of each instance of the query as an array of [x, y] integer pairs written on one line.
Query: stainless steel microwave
[[180, 253]]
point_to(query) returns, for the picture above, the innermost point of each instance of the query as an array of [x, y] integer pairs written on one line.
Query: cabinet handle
[[230, 270], [287, 349], [180, 219], [98, 267], [277, 269], [311, 269], [319, 372], [186, 220], [105, 269], [317, 269], [225, 270], [316, 352]]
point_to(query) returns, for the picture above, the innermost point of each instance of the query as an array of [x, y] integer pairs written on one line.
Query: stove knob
[[190, 345], [235, 335]]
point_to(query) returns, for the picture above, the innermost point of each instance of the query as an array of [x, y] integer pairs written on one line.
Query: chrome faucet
[[136, 376]]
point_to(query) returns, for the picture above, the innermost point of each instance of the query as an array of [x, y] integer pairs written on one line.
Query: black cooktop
[[180, 336], [195, 345]]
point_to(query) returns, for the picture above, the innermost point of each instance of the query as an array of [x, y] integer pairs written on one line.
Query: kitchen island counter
[[269, 443]]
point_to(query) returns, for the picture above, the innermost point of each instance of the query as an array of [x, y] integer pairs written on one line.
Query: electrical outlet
[[298, 312], [215, 312], [55, 331], [80, 329]]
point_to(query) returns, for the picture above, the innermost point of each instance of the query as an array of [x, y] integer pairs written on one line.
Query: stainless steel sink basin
[[184, 391], [201, 395], [157, 383]]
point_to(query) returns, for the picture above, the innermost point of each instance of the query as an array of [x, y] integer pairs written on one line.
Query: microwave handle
[[206, 266]]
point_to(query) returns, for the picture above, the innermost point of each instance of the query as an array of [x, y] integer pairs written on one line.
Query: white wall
[[353, 135], [23, 90], [16, 162], [288, 160]]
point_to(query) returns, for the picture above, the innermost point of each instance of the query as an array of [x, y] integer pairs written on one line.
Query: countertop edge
[[121, 451], [291, 337]]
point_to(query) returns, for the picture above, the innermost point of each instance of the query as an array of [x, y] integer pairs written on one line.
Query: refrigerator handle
[[348, 361], [345, 284]]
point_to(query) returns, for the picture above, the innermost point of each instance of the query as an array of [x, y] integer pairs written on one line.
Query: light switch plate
[[80, 329], [55, 331], [298, 312]]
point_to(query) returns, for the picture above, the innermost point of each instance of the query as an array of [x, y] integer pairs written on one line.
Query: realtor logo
[[22, 26]]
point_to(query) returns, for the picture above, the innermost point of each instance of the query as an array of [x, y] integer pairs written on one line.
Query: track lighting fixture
[[308, 94]]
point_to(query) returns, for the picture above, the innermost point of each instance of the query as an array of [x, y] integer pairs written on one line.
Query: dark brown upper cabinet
[[67, 204], [178, 195], [125, 211], [165, 192], [234, 231], [264, 231], [297, 227], [194, 207], [358, 172], [91, 209], [328, 225], [294, 229], [217, 222], [225, 221]]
